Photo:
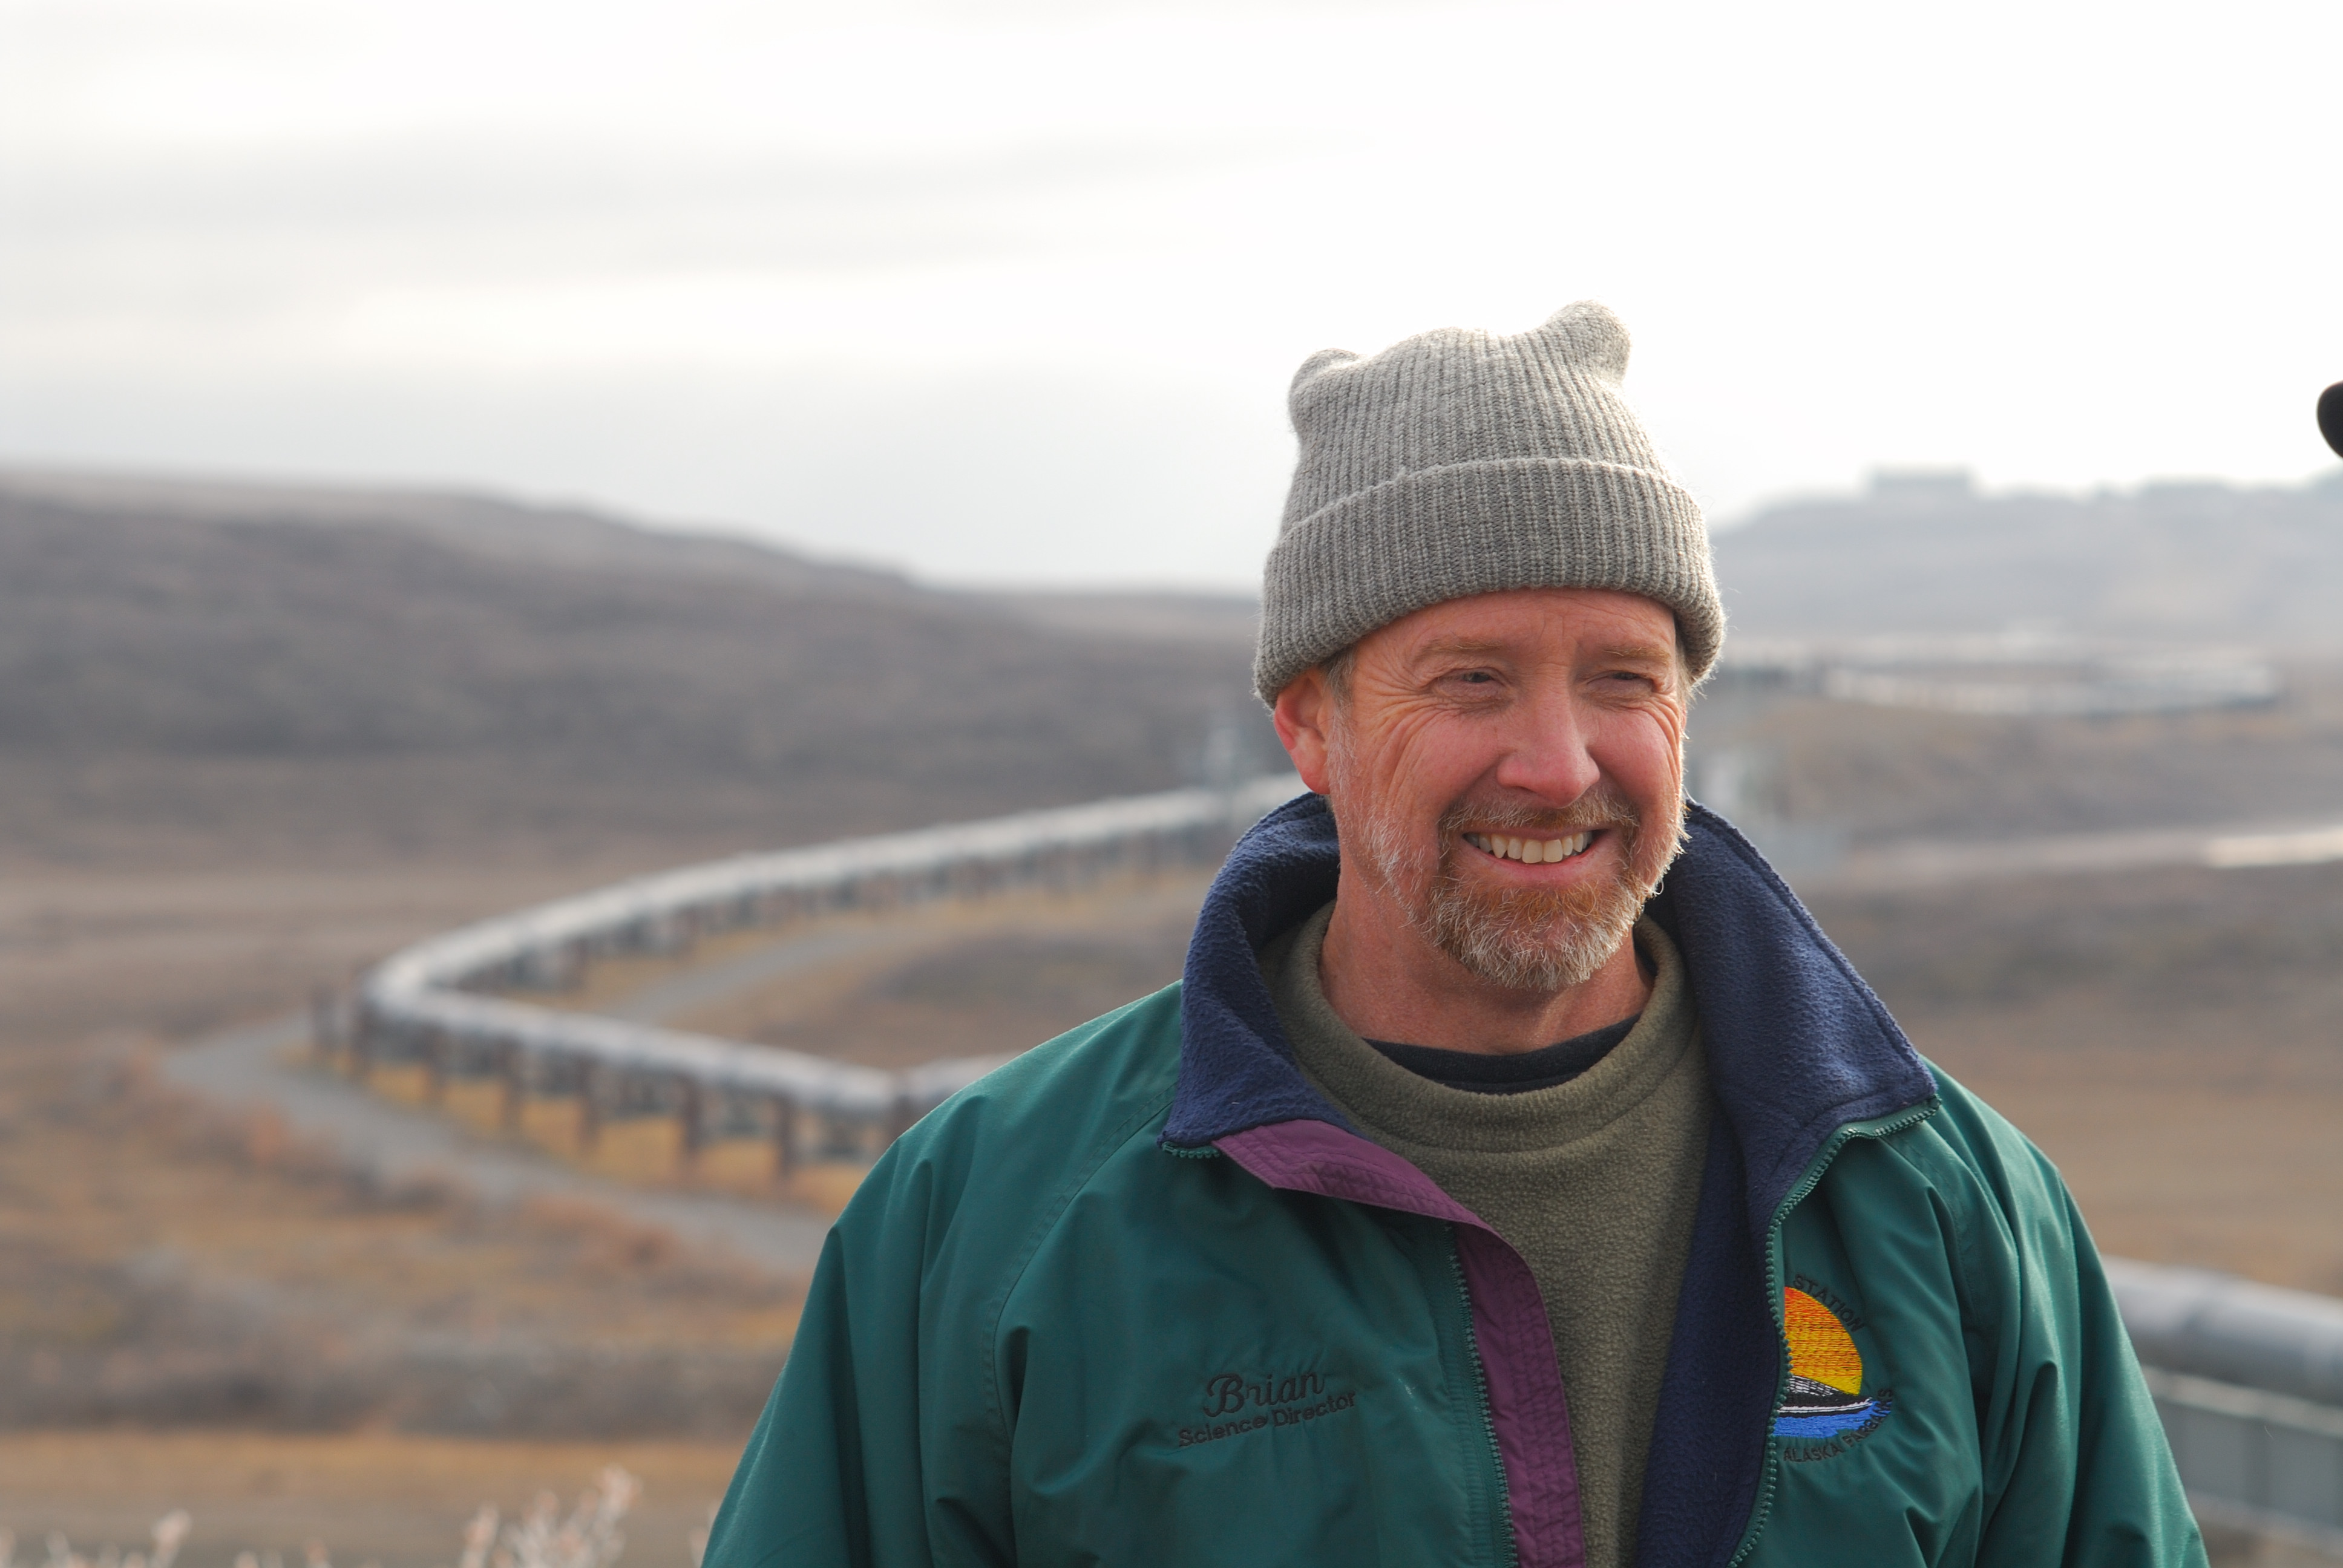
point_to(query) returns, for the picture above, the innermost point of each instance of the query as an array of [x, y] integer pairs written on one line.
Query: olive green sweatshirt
[[1593, 1181]]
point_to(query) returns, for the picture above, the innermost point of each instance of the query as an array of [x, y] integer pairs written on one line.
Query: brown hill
[[2187, 563], [235, 668]]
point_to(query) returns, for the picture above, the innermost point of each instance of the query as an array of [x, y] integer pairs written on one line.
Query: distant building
[[1934, 486]]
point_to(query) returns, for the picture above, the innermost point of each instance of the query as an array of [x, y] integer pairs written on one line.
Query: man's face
[[1507, 771]]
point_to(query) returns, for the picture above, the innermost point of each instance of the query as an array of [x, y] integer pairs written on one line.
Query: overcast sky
[[1012, 291]]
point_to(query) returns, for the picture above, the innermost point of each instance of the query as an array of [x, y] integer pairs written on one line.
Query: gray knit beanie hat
[[1459, 463]]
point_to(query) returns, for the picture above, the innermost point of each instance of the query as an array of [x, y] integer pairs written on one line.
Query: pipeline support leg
[[785, 1138]]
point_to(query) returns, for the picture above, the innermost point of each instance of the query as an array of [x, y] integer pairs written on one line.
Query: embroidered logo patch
[[1825, 1403]]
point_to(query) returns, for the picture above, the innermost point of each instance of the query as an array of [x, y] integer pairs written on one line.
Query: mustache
[[1600, 806]]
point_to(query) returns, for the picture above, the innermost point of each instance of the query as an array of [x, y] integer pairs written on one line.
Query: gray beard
[[1520, 939]]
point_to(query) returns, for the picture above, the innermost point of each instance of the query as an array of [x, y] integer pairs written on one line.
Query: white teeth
[[1531, 851]]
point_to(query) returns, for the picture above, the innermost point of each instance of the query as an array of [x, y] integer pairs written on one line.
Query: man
[[1517, 1175]]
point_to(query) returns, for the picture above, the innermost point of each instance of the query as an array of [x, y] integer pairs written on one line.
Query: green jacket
[[1143, 1297]]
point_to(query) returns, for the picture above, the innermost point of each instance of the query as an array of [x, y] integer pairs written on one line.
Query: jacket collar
[[1797, 1044]]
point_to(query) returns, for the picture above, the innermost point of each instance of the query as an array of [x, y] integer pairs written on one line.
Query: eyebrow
[[1639, 652], [1622, 653]]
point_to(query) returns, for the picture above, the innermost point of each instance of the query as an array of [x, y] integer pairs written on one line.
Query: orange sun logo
[[1824, 1397], [1821, 1350]]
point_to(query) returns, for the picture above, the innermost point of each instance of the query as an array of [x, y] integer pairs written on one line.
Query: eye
[[1468, 682]]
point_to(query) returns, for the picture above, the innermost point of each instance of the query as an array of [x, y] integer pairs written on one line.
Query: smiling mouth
[[1531, 851]]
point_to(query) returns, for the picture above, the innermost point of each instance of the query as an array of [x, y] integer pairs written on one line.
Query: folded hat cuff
[[1437, 534]]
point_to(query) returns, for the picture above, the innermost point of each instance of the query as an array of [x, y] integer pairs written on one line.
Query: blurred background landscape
[[255, 737], [456, 456]]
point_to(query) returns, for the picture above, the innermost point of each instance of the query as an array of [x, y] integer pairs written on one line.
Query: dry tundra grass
[[277, 1505]]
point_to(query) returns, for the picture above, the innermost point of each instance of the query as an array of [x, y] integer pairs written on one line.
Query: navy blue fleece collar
[[1236, 1066], [1797, 1045]]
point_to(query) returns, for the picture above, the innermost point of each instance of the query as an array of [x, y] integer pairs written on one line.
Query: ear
[[1303, 711], [1590, 337], [1314, 367]]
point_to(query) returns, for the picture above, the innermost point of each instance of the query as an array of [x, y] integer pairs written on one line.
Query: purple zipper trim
[[1527, 1407]]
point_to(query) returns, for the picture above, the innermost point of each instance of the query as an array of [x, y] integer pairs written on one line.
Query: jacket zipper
[[1806, 1184], [1480, 1401]]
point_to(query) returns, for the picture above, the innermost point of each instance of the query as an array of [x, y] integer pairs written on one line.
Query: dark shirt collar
[[1485, 1073]]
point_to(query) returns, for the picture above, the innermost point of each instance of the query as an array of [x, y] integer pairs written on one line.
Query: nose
[[1546, 753]]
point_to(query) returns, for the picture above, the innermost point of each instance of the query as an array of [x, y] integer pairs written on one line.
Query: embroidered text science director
[[1517, 1174]]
